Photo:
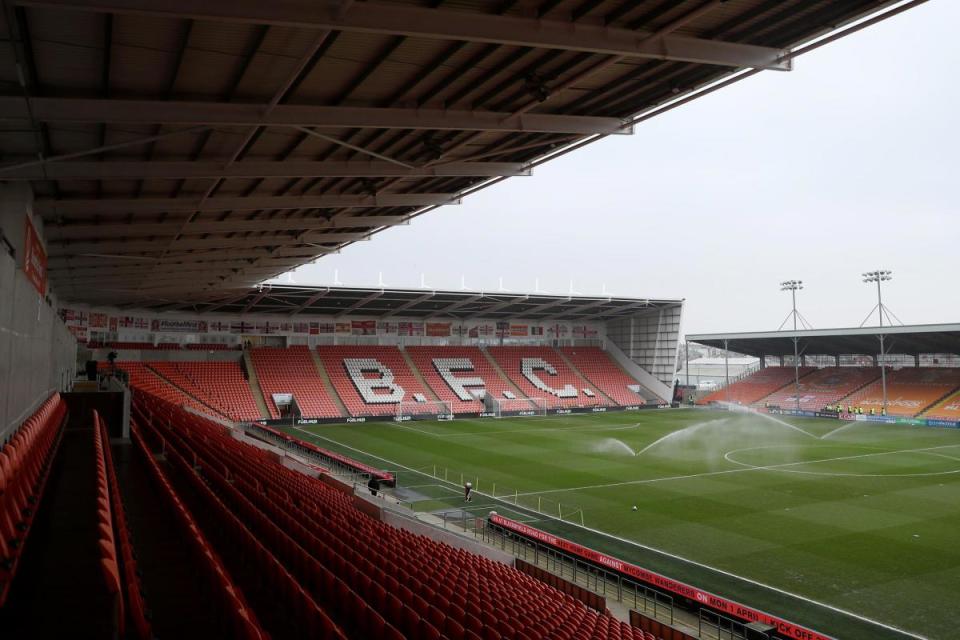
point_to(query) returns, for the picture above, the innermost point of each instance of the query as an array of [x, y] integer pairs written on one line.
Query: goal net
[[519, 407], [429, 410]]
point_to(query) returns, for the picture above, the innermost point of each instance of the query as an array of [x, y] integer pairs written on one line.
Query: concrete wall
[[650, 339], [37, 353]]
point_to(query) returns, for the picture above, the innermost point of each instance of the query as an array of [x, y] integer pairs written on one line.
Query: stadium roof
[[421, 303], [907, 340], [185, 148]]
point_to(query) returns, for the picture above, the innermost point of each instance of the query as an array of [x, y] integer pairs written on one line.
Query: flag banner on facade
[[363, 327], [438, 329]]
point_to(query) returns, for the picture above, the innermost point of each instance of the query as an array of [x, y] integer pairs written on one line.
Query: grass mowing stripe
[[659, 551], [882, 548]]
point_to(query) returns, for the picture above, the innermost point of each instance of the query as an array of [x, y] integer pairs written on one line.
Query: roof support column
[[883, 373], [796, 371], [726, 369]]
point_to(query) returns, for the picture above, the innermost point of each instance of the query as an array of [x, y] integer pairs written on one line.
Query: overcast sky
[[846, 164]]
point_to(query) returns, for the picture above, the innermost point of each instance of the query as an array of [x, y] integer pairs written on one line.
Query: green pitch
[[858, 517]]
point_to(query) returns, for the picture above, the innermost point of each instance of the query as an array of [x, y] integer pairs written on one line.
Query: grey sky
[[848, 163]]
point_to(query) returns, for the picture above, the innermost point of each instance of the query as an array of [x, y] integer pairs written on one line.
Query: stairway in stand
[[431, 395], [327, 384], [503, 375], [255, 384]]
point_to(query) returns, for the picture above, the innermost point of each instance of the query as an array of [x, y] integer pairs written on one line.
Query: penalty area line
[[667, 554]]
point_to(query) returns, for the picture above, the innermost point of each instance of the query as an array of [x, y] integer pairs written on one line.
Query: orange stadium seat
[[391, 381], [218, 384], [142, 378], [540, 372], [823, 387], [909, 391], [756, 386], [293, 371], [600, 369], [467, 362], [25, 462], [948, 409], [345, 572]]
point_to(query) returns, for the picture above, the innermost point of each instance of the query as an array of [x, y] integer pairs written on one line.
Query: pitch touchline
[[726, 471], [729, 574], [615, 427]]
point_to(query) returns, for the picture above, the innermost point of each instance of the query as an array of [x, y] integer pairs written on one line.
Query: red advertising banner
[[729, 607], [519, 330], [438, 329], [34, 259]]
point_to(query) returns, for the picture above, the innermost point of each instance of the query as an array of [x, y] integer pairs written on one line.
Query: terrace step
[[933, 404], [419, 376], [254, 383], [327, 384], [649, 397]]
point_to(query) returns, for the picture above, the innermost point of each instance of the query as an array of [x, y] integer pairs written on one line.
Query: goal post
[[429, 410], [519, 407]]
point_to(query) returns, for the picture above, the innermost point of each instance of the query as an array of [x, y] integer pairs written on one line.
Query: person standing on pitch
[[467, 491]]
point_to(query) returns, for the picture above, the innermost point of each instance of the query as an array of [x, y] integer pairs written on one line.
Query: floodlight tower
[[878, 276], [793, 286]]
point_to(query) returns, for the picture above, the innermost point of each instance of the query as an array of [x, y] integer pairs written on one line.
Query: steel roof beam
[[309, 301], [67, 263], [409, 304], [115, 111], [172, 226], [71, 206], [176, 170], [423, 22], [501, 305], [359, 304], [183, 244]]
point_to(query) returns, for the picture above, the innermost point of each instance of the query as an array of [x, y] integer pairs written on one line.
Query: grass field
[[818, 517]]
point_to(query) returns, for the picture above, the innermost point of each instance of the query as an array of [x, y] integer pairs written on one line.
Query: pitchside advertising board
[[707, 599], [466, 415], [859, 417]]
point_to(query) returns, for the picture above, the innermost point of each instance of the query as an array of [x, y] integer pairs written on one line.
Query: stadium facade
[[163, 159]]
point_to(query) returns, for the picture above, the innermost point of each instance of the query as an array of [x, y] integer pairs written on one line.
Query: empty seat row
[[417, 586], [25, 462], [598, 367], [455, 372], [226, 600], [293, 370], [910, 391], [540, 372], [221, 385], [371, 380], [756, 386], [117, 561], [822, 388]]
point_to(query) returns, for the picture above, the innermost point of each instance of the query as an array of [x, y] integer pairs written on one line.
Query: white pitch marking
[[729, 458], [839, 429], [741, 469], [666, 553]]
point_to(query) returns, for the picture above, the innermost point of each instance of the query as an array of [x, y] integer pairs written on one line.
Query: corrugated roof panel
[[264, 76]]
